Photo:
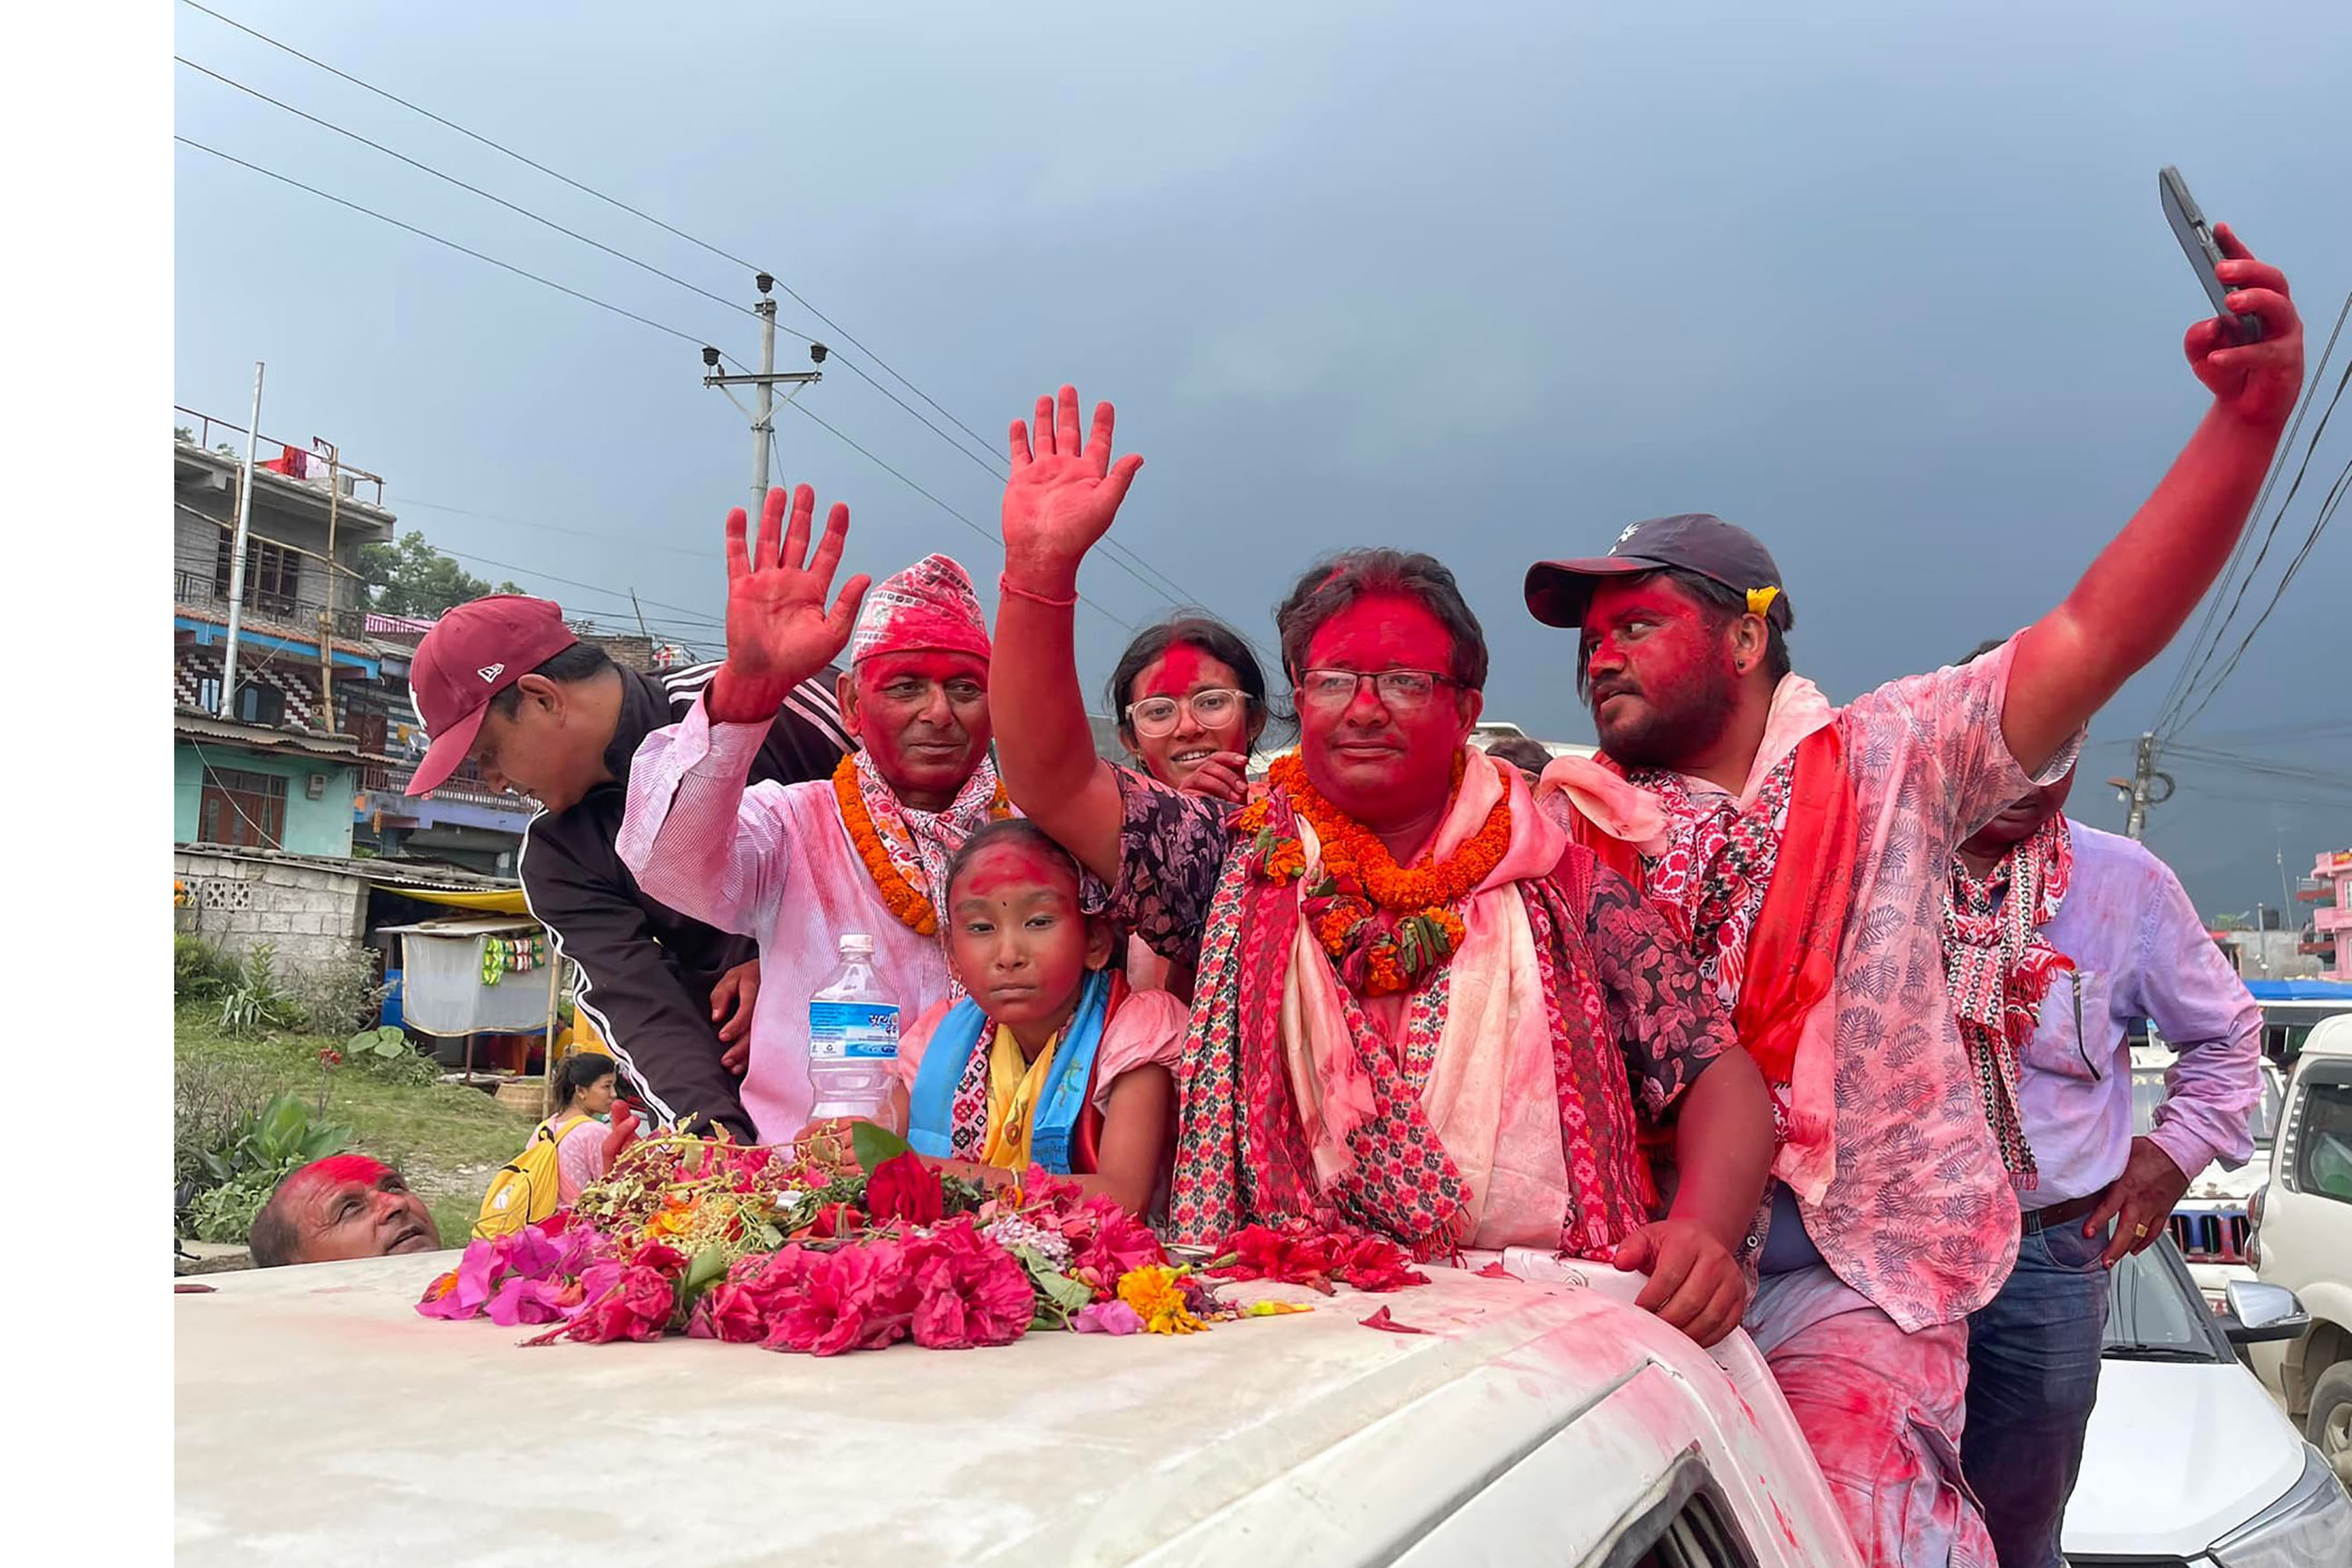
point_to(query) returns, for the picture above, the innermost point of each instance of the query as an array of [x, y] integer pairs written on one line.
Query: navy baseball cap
[[1558, 591]]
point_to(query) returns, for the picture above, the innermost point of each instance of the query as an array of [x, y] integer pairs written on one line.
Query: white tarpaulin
[[441, 989]]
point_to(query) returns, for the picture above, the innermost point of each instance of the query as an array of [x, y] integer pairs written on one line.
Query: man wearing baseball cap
[[1804, 849], [504, 683], [799, 867]]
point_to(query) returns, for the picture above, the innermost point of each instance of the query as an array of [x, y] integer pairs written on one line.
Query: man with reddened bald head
[[1802, 851], [343, 1206], [1419, 1008], [796, 867]]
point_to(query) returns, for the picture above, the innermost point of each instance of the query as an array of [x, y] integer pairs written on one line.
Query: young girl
[[1050, 1059], [589, 1133]]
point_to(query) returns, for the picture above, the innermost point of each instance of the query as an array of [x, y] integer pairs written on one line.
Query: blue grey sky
[[1892, 290]]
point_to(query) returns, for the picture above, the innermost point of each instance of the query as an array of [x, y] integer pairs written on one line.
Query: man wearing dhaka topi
[[1419, 1009], [797, 866], [1803, 850]]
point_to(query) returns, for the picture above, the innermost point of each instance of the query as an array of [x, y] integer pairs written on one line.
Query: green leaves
[[1058, 1295], [874, 1143], [387, 1042]]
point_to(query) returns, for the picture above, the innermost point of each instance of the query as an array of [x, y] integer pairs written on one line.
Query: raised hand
[[1064, 491], [778, 631], [2257, 381]]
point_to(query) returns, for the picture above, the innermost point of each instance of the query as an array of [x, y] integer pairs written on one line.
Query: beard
[[1665, 730]]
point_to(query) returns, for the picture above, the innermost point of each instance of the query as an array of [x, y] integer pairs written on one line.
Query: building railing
[[465, 784], [203, 590], [207, 426]]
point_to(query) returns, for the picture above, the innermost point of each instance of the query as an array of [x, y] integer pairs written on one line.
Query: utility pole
[[765, 381], [2140, 791], [237, 553], [327, 616]]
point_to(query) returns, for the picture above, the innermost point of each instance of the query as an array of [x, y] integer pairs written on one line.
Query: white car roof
[[2331, 1036], [319, 1420]]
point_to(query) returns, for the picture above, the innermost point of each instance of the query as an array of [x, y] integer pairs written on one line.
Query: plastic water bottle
[[853, 1037]]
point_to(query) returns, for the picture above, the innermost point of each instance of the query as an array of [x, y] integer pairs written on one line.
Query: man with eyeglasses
[[797, 866], [1418, 1007], [2057, 940], [1803, 850]]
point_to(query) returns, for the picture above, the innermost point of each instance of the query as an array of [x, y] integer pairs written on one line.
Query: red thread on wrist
[[1006, 584]]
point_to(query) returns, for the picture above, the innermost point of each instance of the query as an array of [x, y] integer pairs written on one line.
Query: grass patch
[[448, 1140]]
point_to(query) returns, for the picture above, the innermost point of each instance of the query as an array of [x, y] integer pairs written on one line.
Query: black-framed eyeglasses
[[1153, 717], [1400, 691]]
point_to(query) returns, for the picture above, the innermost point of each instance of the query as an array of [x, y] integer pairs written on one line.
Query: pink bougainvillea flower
[[1113, 1317], [529, 1252], [970, 1291], [1375, 1263], [521, 1300], [441, 1300]]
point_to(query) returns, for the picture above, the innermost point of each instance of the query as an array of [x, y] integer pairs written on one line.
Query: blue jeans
[[2033, 1371]]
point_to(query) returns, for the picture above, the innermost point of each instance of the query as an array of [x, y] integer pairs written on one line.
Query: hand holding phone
[[2195, 236]]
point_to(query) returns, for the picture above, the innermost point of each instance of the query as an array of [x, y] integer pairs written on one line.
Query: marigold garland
[[1361, 878], [907, 903]]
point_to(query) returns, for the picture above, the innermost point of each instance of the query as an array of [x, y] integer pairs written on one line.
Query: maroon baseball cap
[[477, 651], [1558, 591]]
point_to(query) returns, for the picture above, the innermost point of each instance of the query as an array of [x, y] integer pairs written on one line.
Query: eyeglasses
[[1156, 716], [1400, 691]]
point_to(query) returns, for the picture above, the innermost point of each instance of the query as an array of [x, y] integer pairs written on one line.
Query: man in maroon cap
[[503, 681], [1803, 850]]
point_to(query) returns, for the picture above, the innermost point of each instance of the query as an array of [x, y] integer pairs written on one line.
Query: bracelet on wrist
[[1006, 584]]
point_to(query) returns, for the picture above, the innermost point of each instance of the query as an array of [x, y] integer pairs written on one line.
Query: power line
[[2178, 689], [2327, 510], [1119, 554], [2246, 582], [451, 243], [619, 310], [477, 190]]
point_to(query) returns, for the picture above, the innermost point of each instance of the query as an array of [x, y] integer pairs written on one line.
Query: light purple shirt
[[2139, 951]]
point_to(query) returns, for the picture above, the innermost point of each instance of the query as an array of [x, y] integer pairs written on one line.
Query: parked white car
[[2303, 1240], [2187, 1459], [319, 1420], [2210, 1223]]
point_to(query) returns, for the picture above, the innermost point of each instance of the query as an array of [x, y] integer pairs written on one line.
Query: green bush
[[386, 1053], [200, 971], [256, 1001], [226, 1213], [213, 1103]]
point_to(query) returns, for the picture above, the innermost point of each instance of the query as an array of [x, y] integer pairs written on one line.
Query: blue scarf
[[931, 1109]]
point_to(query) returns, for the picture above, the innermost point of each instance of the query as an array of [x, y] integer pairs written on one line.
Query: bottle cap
[[856, 944]]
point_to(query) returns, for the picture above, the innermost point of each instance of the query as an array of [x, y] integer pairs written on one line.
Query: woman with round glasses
[[1192, 706]]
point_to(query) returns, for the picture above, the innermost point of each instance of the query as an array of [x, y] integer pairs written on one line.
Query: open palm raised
[[779, 629], [1064, 489]]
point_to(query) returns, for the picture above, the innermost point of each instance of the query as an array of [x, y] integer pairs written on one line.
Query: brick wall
[[309, 913]]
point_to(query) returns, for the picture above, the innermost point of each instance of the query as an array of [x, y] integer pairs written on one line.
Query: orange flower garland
[[1362, 876], [905, 902]]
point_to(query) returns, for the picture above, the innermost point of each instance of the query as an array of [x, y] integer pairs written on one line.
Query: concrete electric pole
[[237, 554], [765, 382], [2140, 790]]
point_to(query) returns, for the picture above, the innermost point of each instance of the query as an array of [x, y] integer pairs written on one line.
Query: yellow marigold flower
[[1154, 1294]]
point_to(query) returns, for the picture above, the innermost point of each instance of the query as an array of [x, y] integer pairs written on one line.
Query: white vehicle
[[320, 1420], [2303, 1240], [2210, 1223], [2187, 1460]]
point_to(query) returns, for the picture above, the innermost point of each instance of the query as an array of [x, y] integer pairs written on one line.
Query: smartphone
[[2195, 236]]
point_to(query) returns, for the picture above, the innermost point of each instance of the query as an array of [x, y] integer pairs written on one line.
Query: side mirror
[[2259, 1313]]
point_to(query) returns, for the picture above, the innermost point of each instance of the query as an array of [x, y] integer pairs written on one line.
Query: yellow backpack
[[525, 1189]]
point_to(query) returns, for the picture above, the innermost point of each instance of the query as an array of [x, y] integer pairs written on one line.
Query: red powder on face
[[1019, 975], [1184, 669], [1376, 764], [337, 1169], [925, 743]]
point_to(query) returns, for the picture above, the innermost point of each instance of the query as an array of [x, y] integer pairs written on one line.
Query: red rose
[[729, 1312], [637, 1307], [970, 1291], [1374, 1263], [904, 1188], [1110, 1242]]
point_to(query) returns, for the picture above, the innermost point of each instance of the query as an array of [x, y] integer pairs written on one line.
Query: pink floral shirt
[[1908, 1201]]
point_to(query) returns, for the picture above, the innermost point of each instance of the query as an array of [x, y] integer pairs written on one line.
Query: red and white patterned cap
[[931, 604]]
